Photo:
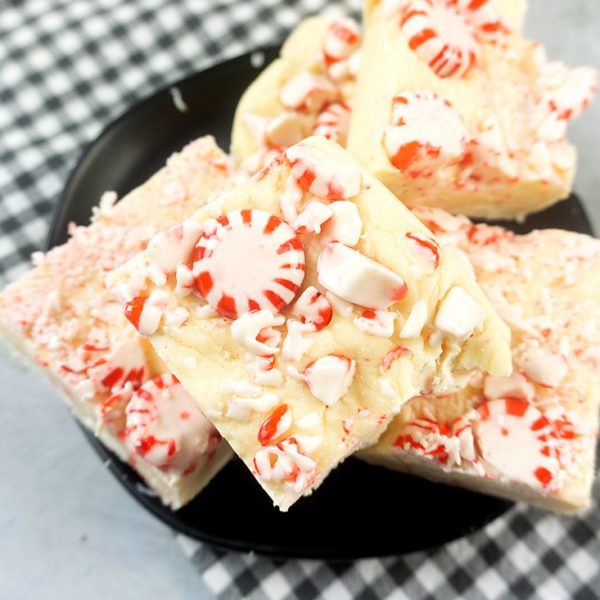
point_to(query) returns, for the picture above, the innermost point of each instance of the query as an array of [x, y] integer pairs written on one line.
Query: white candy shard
[[356, 278], [341, 307], [312, 217], [286, 129], [307, 91], [329, 377], [184, 280], [246, 328], [177, 316], [543, 367], [515, 386], [345, 224], [271, 377], [290, 200], [257, 126], [458, 314], [416, 320], [295, 345], [206, 312], [240, 408], [173, 247], [310, 422]]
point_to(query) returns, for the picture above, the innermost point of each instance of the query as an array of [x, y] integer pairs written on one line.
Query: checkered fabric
[[67, 68]]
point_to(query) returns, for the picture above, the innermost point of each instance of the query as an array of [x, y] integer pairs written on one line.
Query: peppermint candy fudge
[[306, 91], [455, 109], [61, 316], [530, 436], [303, 308]]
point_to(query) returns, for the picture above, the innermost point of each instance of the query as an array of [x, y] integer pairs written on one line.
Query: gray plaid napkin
[[67, 68]]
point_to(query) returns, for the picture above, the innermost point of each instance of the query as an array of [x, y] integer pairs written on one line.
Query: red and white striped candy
[[170, 248], [125, 362], [442, 36], [111, 413], [286, 462], [249, 260], [484, 18], [341, 40], [333, 122], [426, 249], [275, 425], [569, 91], [146, 312], [165, 426], [392, 356], [313, 308], [322, 175], [426, 134], [515, 439], [328, 378], [376, 322], [426, 437], [307, 92]]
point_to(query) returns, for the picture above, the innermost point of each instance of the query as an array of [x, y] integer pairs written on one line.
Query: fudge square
[[455, 109], [303, 308], [61, 316], [307, 90], [530, 436]]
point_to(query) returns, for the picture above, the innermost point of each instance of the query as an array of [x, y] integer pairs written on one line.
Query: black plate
[[359, 510]]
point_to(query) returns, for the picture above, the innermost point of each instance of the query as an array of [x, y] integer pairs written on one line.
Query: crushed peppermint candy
[[328, 378], [165, 426], [358, 279], [426, 133]]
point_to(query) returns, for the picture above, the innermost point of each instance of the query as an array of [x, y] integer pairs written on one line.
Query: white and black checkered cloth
[[67, 68]]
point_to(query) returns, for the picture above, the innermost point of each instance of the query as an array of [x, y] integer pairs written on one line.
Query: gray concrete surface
[[67, 528]]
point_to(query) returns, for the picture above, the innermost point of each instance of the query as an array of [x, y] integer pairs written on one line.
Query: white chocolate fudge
[[61, 316], [454, 109], [530, 436], [307, 90], [303, 308]]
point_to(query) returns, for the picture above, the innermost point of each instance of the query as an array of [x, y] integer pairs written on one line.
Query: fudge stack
[[323, 292]]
